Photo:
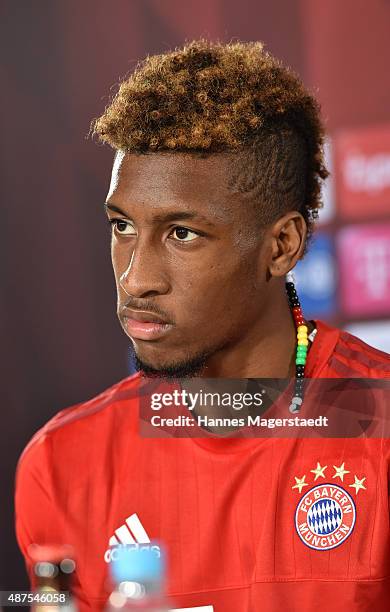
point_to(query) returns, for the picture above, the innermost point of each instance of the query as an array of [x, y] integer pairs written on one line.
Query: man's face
[[189, 259]]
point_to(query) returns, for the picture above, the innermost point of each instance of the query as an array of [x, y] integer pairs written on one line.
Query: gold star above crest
[[358, 484], [300, 483], [340, 472], [319, 471]]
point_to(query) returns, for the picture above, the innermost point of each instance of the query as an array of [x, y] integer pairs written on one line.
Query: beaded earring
[[302, 343]]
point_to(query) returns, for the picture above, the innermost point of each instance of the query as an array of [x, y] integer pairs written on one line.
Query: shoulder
[[84, 420], [351, 357]]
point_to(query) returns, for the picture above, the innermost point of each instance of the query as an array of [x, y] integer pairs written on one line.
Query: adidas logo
[[131, 534]]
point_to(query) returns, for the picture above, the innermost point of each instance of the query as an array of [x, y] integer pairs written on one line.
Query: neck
[[266, 351]]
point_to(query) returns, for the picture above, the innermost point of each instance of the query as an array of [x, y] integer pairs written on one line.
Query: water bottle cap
[[137, 563]]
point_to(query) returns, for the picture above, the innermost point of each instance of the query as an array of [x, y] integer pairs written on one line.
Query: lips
[[142, 325]]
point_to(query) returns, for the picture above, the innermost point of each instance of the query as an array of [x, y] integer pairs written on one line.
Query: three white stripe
[[132, 532]]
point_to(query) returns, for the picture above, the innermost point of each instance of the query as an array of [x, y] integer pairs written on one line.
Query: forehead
[[157, 180]]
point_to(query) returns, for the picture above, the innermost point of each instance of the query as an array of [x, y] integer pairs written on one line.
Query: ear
[[288, 238]]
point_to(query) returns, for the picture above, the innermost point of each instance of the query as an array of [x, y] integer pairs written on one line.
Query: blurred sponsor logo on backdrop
[[345, 276], [364, 267], [362, 163], [316, 278]]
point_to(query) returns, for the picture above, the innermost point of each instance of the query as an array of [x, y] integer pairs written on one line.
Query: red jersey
[[248, 524]]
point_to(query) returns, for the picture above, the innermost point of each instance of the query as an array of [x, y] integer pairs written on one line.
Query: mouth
[[142, 325]]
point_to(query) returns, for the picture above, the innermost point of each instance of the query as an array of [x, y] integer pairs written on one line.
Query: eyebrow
[[169, 216]]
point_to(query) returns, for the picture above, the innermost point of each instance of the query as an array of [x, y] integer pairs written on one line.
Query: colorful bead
[[298, 320], [296, 402], [290, 277], [302, 342]]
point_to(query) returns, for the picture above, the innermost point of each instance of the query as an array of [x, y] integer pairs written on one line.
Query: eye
[[123, 227], [183, 234]]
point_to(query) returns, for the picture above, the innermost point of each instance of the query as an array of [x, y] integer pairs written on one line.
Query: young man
[[215, 184]]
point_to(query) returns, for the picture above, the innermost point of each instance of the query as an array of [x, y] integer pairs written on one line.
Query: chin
[[185, 367]]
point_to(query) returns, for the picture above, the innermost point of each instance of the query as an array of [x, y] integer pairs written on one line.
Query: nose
[[144, 276]]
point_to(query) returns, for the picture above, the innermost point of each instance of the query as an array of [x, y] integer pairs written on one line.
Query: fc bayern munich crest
[[325, 516]]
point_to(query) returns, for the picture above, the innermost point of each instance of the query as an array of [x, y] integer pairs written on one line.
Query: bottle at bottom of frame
[[138, 576], [54, 568]]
